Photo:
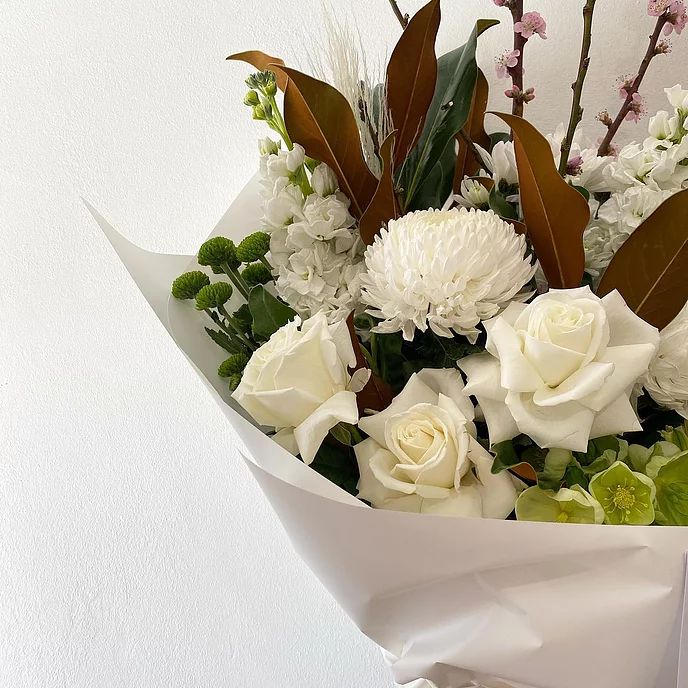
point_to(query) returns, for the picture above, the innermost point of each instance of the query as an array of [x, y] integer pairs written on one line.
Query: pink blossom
[[657, 7], [522, 96], [506, 61], [531, 23], [637, 108], [677, 18], [625, 86], [500, 3]]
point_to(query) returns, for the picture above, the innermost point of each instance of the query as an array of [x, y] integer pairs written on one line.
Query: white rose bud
[[561, 369], [324, 180], [298, 383], [667, 378], [422, 454]]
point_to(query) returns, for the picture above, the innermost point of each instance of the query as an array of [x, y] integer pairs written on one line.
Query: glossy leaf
[[436, 188], [268, 312], [411, 76], [319, 117], [466, 162], [456, 75], [263, 62], [554, 212], [383, 207], [650, 270]]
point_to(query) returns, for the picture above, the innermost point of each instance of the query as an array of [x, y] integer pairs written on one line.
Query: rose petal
[[501, 425], [340, 408], [483, 377], [278, 408], [285, 438], [581, 384], [618, 417], [553, 363], [448, 381], [369, 487], [566, 426], [625, 326], [518, 375], [497, 492]]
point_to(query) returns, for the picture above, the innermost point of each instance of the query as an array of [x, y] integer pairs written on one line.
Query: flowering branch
[[577, 86], [517, 72], [633, 88], [403, 18]]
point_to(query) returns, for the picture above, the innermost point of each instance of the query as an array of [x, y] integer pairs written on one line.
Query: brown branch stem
[[577, 86], [626, 107], [403, 18], [516, 72]]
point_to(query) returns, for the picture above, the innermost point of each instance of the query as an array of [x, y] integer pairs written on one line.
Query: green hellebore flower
[[573, 505], [677, 436], [186, 286], [213, 296], [627, 497]]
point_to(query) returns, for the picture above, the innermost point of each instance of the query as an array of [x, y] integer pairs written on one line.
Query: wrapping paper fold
[[455, 603]]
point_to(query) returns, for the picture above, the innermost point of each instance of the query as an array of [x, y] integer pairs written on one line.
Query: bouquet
[[434, 321]]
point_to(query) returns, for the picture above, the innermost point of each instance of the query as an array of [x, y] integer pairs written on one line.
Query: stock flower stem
[[519, 45], [577, 86], [626, 107]]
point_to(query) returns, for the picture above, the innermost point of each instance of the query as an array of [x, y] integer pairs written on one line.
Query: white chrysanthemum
[[667, 378], [444, 269]]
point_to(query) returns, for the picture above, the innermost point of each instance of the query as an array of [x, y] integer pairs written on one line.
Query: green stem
[[236, 279], [237, 328], [266, 263], [230, 333], [577, 86]]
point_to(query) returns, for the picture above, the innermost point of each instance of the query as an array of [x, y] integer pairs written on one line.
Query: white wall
[[134, 548]]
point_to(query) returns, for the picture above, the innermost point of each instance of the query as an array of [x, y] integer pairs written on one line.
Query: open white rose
[[667, 378], [298, 382], [561, 369], [422, 455]]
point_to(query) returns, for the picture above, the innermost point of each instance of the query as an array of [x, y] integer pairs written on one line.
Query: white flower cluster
[[444, 269], [641, 178], [315, 249]]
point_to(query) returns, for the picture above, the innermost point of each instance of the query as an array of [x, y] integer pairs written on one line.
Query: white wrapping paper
[[456, 602]]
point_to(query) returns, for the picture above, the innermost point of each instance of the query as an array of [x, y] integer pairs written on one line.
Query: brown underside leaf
[[411, 77], [263, 62], [650, 270], [554, 212], [319, 118], [383, 206], [377, 394], [467, 163]]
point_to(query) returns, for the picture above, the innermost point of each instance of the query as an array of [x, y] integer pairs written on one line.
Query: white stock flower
[[601, 241], [324, 180], [662, 127], [277, 170], [298, 383], [667, 379], [443, 269], [678, 97], [561, 369], [322, 219], [422, 454], [282, 208], [654, 166]]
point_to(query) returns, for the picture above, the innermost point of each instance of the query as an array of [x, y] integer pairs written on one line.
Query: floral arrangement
[[445, 321]]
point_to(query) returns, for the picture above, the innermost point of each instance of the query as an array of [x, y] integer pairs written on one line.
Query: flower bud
[[186, 286], [324, 180], [251, 99], [217, 251], [259, 113], [213, 296], [253, 247], [267, 146]]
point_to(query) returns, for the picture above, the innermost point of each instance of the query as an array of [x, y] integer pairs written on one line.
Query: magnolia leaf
[[650, 269], [263, 62], [268, 312], [554, 212], [456, 75], [411, 76], [383, 206], [319, 117], [467, 163]]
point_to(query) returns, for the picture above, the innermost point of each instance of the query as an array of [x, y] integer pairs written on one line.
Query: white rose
[[298, 382], [561, 369], [422, 455], [667, 378], [324, 180]]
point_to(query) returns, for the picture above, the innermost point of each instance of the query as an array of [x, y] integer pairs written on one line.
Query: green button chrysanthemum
[[573, 505], [627, 497]]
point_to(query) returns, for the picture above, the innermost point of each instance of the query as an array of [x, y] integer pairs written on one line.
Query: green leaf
[[672, 491], [520, 454], [338, 464], [575, 476], [501, 206], [438, 185], [221, 339], [556, 463], [268, 312], [457, 72], [582, 191], [498, 137]]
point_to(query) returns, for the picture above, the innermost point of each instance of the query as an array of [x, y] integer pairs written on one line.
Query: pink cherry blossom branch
[[516, 72], [577, 86], [652, 51]]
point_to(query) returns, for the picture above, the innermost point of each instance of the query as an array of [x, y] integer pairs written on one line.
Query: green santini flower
[[217, 252], [256, 273], [253, 247], [213, 296], [186, 286]]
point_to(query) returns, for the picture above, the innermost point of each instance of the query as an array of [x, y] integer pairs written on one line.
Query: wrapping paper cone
[[455, 603]]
